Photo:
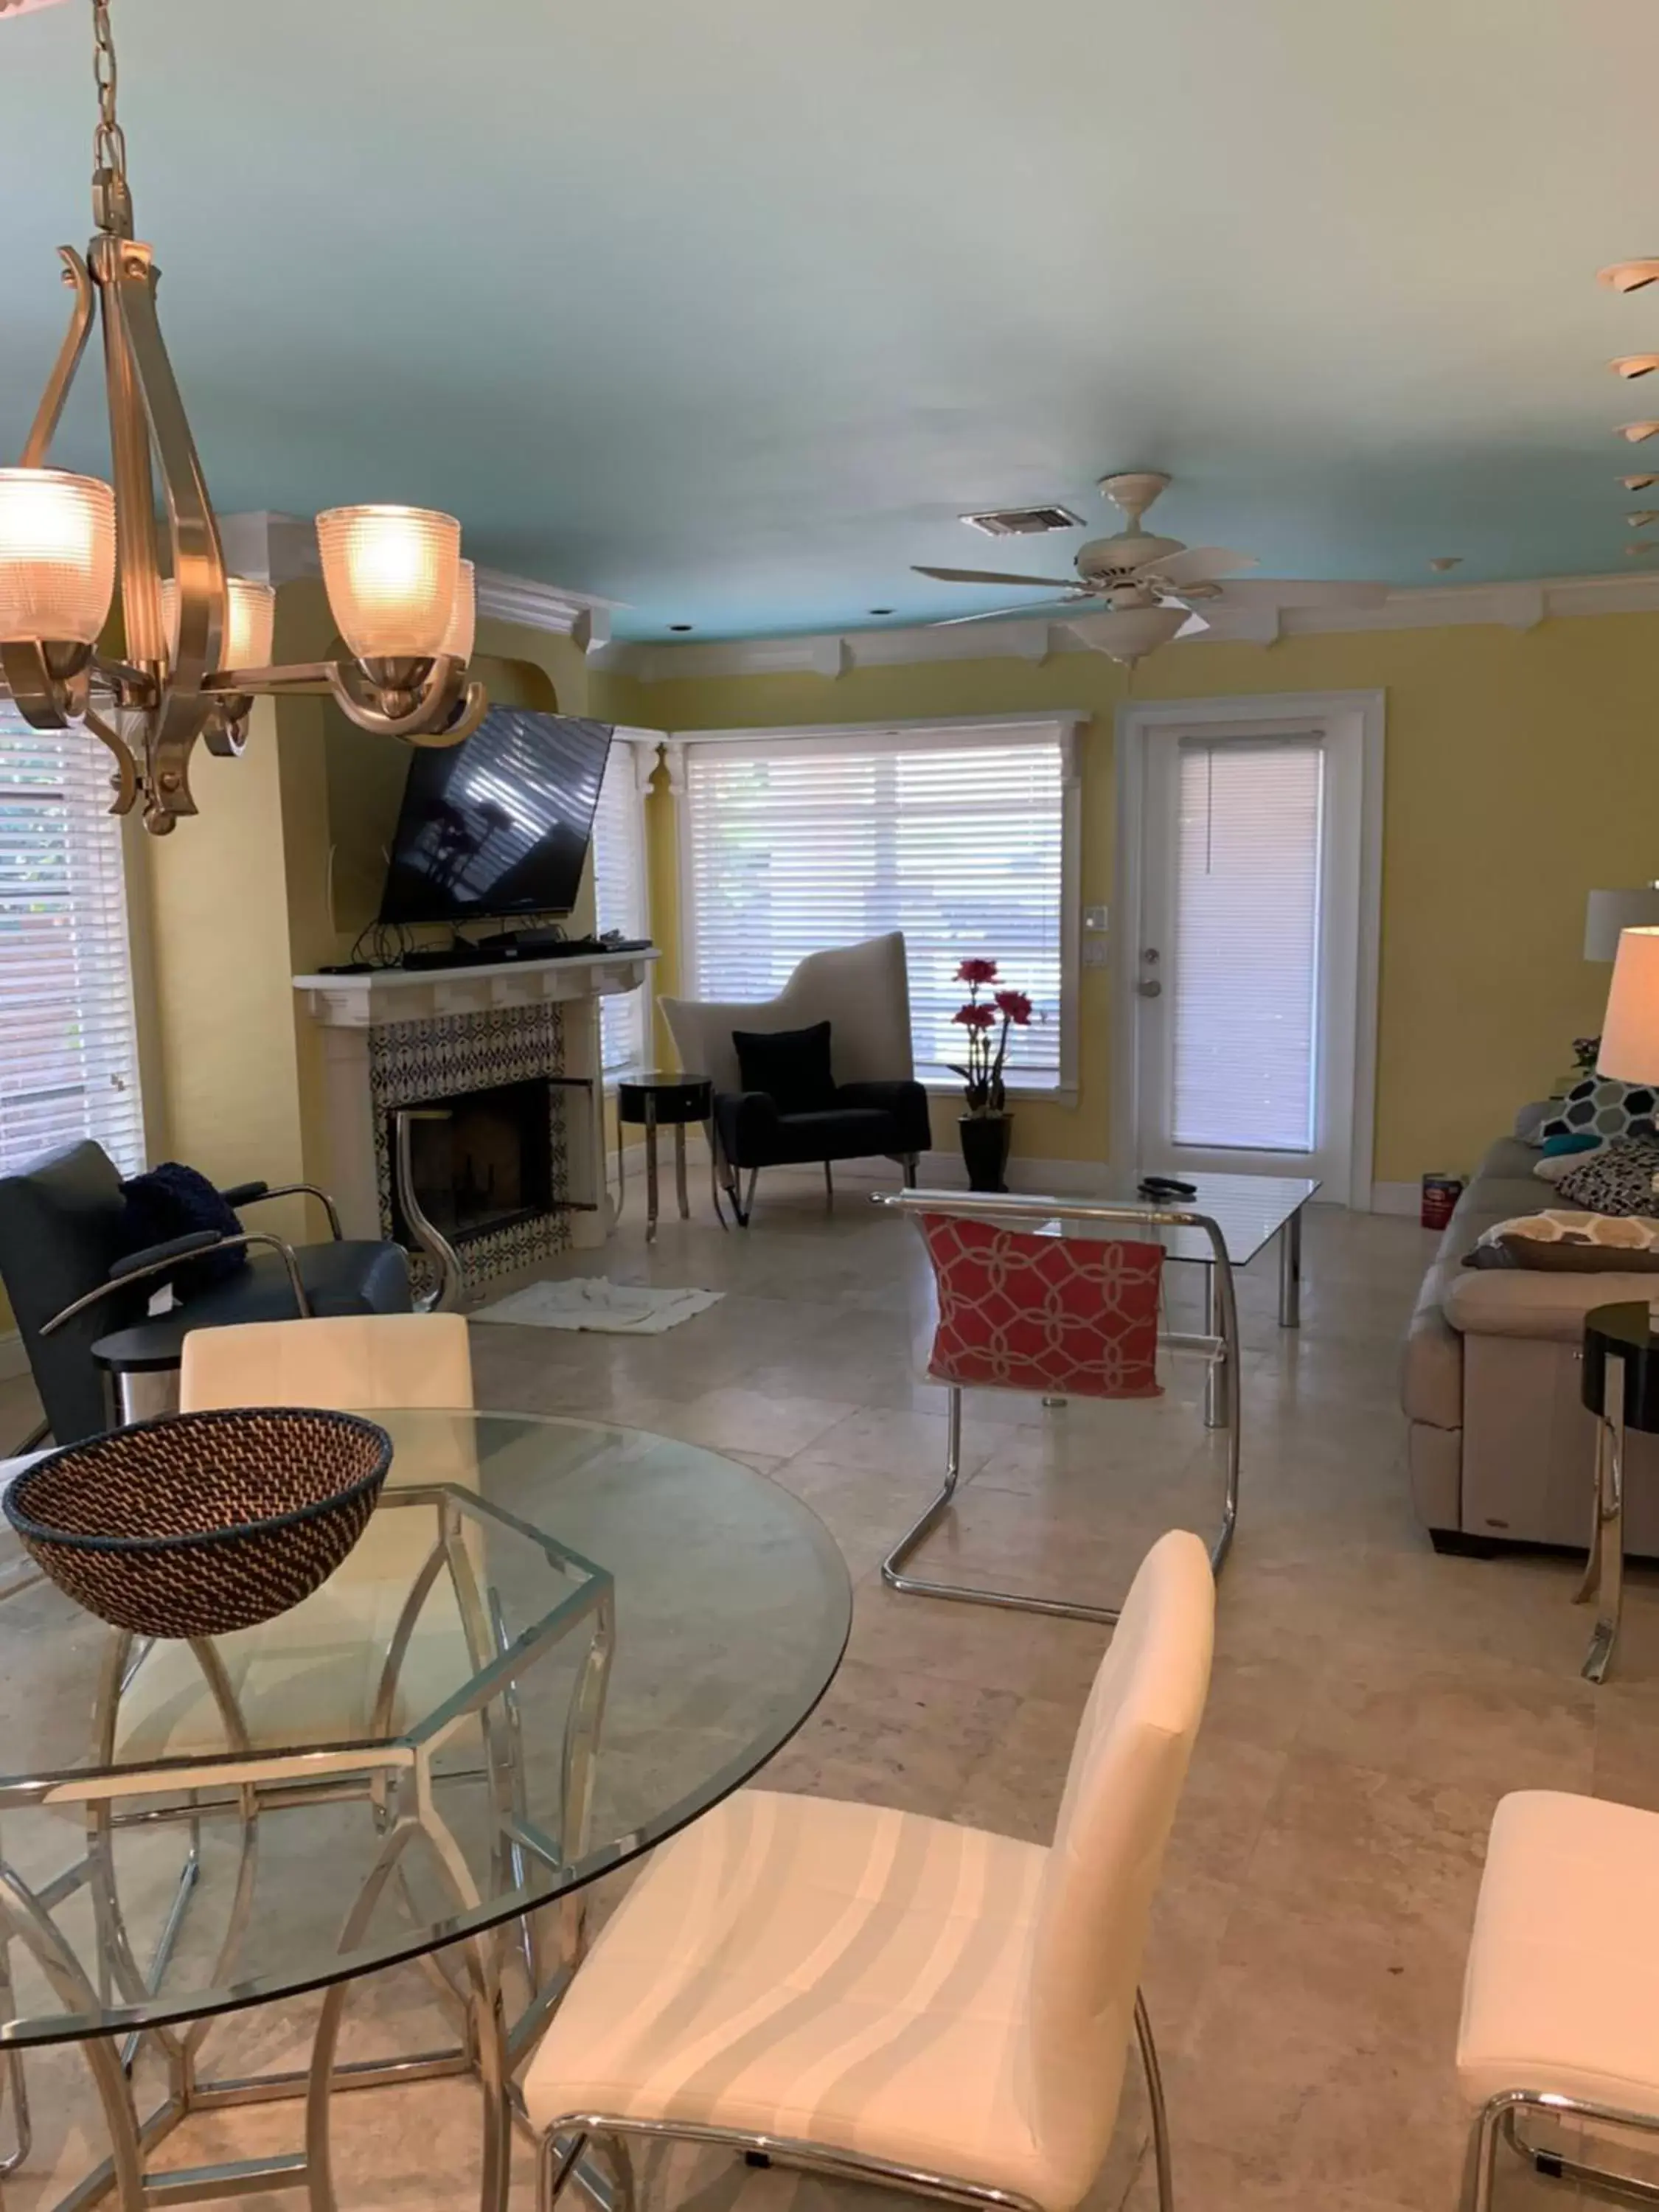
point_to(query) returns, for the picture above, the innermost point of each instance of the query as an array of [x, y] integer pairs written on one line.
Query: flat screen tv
[[499, 824]]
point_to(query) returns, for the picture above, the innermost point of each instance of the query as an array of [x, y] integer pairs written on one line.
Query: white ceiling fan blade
[[1000, 614], [1299, 592], [1196, 564], [997, 576], [1194, 626]]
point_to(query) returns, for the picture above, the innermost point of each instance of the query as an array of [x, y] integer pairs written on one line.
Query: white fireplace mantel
[[400, 994], [363, 1019]]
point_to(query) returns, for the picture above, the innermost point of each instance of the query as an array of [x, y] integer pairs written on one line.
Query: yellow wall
[[239, 900], [1523, 768]]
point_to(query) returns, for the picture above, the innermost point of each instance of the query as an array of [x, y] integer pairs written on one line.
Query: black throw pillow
[[173, 1200], [790, 1066]]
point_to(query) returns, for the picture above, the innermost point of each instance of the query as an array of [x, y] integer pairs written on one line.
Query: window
[[1249, 835], [69, 1048], [958, 836], [622, 894]]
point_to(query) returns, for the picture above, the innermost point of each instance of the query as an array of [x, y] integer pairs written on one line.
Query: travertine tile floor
[[1372, 1700]]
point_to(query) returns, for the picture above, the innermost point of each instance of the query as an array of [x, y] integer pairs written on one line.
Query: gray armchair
[[73, 1280], [877, 1109]]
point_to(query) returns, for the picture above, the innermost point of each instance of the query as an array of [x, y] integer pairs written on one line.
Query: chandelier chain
[[112, 200]]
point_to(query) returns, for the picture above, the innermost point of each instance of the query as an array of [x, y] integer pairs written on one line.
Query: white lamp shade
[[250, 622], [390, 574], [464, 618], [1129, 634], [1609, 914], [1630, 1029], [56, 556]]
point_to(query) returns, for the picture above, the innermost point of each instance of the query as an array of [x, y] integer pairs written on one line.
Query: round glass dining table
[[556, 1644]]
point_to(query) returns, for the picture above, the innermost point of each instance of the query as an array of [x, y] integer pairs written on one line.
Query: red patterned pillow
[[1074, 1316]]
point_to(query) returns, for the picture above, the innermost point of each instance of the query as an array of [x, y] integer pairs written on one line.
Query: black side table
[[651, 1098], [1621, 1388]]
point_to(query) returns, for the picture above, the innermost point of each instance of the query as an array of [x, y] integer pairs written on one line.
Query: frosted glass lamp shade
[[56, 556], [250, 622], [464, 619], [390, 574], [1630, 1029], [1609, 914]]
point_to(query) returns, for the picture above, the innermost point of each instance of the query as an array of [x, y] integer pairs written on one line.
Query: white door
[[1244, 971]]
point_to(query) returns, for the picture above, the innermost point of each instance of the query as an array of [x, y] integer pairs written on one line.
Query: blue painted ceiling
[[727, 308]]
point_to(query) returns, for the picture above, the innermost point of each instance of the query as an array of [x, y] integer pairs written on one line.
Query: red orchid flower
[[974, 1018], [1016, 1005], [977, 971]]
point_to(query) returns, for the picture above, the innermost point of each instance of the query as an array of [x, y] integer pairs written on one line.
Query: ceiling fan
[[1145, 589]]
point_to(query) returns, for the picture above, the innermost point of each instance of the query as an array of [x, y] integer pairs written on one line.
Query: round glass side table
[[556, 1644]]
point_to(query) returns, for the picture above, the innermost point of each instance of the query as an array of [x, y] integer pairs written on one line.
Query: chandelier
[[197, 643]]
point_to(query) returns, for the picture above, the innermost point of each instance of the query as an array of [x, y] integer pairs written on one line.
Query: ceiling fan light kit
[[199, 642], [1145, 590]]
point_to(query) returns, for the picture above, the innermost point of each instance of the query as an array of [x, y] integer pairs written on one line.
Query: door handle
[[1150, 990]]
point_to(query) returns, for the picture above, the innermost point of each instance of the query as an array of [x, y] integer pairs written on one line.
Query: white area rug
[[592, 1302]]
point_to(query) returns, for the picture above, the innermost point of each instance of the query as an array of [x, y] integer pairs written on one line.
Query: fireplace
[[483, 1163]]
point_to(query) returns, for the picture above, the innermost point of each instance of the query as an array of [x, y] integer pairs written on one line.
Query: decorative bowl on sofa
[[199, 1524]]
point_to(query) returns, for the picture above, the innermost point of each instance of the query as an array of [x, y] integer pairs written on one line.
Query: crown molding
[[1512, 606], [280, 548]]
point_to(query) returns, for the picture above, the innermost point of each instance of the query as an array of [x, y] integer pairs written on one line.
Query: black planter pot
[[985, 1140]]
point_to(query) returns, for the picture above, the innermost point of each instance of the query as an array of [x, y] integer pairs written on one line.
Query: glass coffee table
[[556, 1644]]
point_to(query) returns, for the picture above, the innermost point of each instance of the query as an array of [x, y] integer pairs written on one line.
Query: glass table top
[[556, 1644], [1249, 1211]]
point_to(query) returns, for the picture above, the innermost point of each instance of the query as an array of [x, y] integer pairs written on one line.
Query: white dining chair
[[315, 1674], [1559, 2024], [886, 1997]]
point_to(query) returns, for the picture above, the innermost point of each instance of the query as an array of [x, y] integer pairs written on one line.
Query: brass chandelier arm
[[125, 779], [442, 702], [38, 442]]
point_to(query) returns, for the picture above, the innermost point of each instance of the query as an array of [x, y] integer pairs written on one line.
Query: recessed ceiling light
[[1635, 432], [1628, 276], [1632, 365], [1641, 517], [680, 626], [1637, 483], [881, 610], [1445, 560]]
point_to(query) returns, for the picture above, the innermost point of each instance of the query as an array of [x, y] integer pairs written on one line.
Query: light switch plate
[[1095, 920], [1097, 952]]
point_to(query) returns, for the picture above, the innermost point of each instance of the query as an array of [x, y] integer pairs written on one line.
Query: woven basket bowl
[[199, 1524]]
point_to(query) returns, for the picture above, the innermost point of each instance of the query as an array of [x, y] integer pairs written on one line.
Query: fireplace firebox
[[480, 1161]]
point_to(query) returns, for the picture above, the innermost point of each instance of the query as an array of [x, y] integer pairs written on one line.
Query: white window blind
[[68, 1049], [1245, 956], [792, 845], [621, 899]]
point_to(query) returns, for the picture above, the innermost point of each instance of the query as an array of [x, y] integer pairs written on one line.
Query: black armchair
[[863, 1120], [73, 1282]]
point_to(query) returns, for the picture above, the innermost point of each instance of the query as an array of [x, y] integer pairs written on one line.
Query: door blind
[[68, 1049], [1244, 971], [620, 899], [795, 844]]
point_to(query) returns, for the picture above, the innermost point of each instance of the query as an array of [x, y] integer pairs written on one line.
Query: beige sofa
[[1500, 1447]]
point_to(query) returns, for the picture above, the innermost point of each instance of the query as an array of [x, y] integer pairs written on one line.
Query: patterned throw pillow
[[1604, 1107], [1619, 1179], [1557, 1243]]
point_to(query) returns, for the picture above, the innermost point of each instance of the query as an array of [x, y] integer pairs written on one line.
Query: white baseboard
[[14, 1361], [1397, 1198]]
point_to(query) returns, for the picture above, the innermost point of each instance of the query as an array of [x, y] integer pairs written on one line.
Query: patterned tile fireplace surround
[[391, 1040]]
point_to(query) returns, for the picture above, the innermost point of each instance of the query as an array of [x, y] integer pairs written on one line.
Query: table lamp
[[1630, 1029]]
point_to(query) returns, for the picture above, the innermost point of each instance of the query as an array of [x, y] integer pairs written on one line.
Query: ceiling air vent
[[1023, 521]]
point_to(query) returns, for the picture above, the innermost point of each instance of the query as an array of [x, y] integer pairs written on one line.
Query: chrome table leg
[[1219, 1381], [1290, 1273], [1610, 1513], [650, 1170], [679, 1171]]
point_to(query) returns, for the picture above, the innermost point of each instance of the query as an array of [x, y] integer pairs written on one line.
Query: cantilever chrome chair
[[890, 1999], [1068, 1316], [1557, 2050]]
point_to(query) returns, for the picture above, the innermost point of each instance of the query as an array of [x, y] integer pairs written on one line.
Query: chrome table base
[[1604, 1569]]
